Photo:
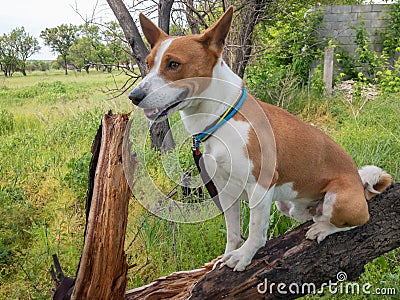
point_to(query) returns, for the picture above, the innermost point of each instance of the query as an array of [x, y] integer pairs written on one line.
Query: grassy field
[[47, 124]]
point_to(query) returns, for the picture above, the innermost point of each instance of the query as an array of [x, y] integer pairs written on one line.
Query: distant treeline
[[82, 47]]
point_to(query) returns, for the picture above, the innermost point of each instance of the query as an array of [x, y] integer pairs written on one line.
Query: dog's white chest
[[225, 156]]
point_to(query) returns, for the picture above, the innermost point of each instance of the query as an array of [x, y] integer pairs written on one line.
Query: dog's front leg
[[260, 205], [232, 221]]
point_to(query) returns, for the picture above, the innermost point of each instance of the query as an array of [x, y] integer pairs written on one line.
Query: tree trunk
[[131, 32], [103, 267], [164, 14], [192, 22], [249, 19], [292, 260], [160, 134], [65, 65]]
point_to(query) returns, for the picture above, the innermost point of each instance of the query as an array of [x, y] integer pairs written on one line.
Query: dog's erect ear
[[215, 36], [152, 32]]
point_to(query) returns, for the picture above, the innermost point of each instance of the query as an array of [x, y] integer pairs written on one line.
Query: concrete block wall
[[338, 20]]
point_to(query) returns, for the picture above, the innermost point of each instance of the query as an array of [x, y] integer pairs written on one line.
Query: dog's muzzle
[[137, 95]]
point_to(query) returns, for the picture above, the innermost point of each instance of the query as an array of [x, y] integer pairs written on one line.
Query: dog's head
[[173, 61]]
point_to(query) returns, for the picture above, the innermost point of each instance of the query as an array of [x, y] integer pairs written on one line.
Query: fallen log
[[290, 260]]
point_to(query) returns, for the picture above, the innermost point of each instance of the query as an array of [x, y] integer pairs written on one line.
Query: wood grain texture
[[103, 267]]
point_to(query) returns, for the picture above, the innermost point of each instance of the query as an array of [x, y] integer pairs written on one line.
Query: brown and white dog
[[262, 154]]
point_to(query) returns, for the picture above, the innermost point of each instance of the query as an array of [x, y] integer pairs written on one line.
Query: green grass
[[47, 124], [371, 138]]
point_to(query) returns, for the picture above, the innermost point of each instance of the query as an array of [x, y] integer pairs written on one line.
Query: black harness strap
[[212, 190], [203, 136]]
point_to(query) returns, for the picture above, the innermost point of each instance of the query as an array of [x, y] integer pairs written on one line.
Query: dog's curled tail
[[375, 180]]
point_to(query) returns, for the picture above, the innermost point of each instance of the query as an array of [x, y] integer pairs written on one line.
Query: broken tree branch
[[103, 267]]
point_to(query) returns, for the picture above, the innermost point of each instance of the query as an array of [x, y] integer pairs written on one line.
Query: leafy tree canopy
[[15, 48], [60, 39]]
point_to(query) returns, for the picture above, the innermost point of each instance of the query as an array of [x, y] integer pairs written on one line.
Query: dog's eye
[[173, 65]]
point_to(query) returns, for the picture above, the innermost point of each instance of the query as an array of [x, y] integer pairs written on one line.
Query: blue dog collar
[[225, 117]]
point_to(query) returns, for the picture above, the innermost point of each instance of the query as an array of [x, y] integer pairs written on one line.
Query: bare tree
[[249, 15], [164, 14], [190, 11], [161, 137], [139, 49]]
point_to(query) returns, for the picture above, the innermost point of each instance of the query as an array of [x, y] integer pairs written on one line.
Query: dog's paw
[[219, 263], [319, 231], [237, 259]]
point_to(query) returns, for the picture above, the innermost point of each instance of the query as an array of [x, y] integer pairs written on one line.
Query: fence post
[[328, 69]]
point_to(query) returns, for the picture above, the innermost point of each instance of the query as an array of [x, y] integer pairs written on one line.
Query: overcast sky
[[36, 15]]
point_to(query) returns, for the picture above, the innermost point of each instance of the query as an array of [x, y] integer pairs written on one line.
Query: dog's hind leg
[[283, 207], [260, 205], [344, 208]]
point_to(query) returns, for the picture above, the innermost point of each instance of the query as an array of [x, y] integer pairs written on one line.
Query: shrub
[[290, 47], [7, 122], [76, 177], [389, 79]]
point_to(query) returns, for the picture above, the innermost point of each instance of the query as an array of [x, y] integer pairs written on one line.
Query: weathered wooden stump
[[103, 268]]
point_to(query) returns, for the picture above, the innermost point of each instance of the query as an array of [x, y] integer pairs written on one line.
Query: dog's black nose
[[137, 95]]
